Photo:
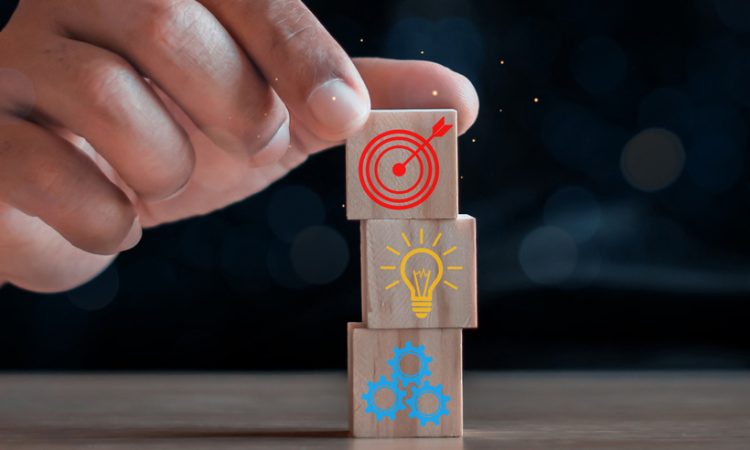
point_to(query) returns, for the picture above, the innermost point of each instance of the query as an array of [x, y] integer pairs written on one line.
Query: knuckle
[[266, 120], [170, 24], [294, 36], [291, 23], [102, 84]]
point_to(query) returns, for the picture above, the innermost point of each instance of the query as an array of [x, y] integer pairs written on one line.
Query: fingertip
[[467, 102], [417, 84], [338, 108], [133, 237]]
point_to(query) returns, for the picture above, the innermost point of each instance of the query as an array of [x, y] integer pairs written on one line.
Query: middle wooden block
[[419, 273]]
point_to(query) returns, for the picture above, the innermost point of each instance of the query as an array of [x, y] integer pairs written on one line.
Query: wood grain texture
[[520, 411], [371, 351], [442, 203], [350, 327], [390, 302]]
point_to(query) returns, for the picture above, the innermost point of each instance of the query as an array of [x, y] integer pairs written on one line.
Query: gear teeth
[[434, 417], [422, 372], [421, 387], [398, 399]]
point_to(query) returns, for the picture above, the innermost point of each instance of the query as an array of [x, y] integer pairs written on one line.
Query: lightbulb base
[[421, 307]]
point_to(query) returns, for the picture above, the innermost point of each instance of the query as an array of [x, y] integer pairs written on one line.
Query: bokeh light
[[735, 14], [574, 210], [548, 255], [279, 265], [98, 293], [319, 254], [653, 159], [293, 208]]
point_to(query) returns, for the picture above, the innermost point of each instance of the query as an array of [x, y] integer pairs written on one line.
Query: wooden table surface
[[308, 411]]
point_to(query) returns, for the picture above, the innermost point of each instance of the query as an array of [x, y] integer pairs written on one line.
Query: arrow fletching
[[440, 128]]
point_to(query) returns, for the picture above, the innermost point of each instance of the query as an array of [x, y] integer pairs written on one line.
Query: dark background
[[612, 212]]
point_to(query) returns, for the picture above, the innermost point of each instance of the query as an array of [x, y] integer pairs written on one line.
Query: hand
[[117, 115]]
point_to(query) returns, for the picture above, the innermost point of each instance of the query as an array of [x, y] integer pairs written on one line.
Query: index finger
[[311, 73]]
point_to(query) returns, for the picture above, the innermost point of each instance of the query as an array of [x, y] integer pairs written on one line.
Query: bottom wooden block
[[405, 383]]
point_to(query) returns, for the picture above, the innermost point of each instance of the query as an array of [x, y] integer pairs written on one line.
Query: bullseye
[[399, 169]]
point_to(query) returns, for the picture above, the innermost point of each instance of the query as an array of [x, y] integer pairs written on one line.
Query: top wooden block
[[403, 164]]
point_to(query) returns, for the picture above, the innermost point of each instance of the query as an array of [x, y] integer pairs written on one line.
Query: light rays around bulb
[[449, 251]]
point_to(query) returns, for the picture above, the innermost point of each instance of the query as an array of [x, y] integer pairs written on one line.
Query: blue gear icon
[[441, 410], [398, 399], [424, 361]]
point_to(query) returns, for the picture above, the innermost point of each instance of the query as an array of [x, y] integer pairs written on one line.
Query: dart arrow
[[438, 130]]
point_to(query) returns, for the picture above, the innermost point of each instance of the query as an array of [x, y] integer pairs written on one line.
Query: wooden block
[[349, 358], [419, 273], [403, 165], [406, 383]]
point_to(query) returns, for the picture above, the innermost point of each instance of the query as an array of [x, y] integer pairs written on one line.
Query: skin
[[121, 115]]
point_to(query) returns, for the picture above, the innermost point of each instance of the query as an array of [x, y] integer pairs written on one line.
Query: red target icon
[[399, 169]]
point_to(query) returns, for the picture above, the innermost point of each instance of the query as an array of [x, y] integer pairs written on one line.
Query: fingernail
[[133, 237], [337, 107], [275, 148]]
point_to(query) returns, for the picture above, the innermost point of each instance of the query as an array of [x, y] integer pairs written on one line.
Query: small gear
[[441, 410], [422, 372], [398, 399]]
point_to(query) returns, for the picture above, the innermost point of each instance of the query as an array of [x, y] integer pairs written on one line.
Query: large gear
[[421, 373], [398, 399], [441, 410]]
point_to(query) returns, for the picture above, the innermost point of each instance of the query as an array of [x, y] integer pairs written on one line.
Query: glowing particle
[[421, 52], [333, 98], [536, 99], [473, 139], [361, 39], [434, 93], [502, 61]]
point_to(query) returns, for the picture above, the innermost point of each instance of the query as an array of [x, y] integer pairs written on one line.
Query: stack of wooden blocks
[[418, 276]]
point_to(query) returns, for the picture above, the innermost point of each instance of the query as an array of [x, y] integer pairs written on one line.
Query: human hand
[[117, 115]]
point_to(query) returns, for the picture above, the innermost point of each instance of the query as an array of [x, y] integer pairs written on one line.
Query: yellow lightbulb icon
[[420, 280], [422, 271]]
